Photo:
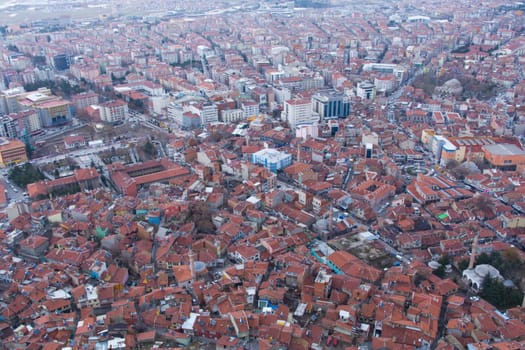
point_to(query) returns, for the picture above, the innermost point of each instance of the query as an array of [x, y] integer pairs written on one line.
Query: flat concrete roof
[[505, 149]]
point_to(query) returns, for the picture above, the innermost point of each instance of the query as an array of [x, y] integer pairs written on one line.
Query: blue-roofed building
[[272, 159]]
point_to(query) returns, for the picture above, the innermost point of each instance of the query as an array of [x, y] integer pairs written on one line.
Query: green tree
[[199, 213], [418, 278], [444, 260], [22, 175], [483, 258], [149, 148], [498, 295], [440, 271], [463, 265], [39, 84]]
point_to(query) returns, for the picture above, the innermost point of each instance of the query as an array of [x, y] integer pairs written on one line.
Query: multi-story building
[[194, 114], [208, 113], [8, 127], [82, 179], [175, 112], [54, 112], [12, 152], [84, 100], [272, 159], [366, 90], [504, 156], [299, 112], [250, 108], [114, 111], [385, 83], [129, 179], [330, 104], [51, 110], [9, 100], [443, 149], [232, 115], [61, 62], [27, 122], [147, 87], [398, 71], [21, 124]]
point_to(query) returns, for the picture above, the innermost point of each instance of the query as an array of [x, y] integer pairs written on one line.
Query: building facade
[[250, 108], [504, 156], [209, 113], [299, 112], [331, 105], [232, 115], [272, 159], [12, 152], [114, 112], [366, 90], [54, 113]]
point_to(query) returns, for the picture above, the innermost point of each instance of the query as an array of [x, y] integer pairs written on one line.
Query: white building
[[474, 277], [209, 113], [299, 112], [232, 115], [9, 100], [250, 108], [272, 159], [114, 111], [175, 112], [442, 149], [385, 83], [366, 90], [369, 138], [304, 131], [159, 104], [148, 87], [281, 94], [398, 71]]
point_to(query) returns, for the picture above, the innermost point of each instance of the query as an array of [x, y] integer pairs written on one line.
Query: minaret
[[473, 253], [192, 264], [330, 219], [298, 152]]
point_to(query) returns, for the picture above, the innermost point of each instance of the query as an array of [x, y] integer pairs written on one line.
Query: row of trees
[[61, 87]]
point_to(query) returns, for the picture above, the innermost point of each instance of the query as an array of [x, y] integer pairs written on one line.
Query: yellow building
[[12, 152], [427, 135]]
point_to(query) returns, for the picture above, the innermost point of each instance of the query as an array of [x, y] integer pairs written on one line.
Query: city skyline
[[310, 174]]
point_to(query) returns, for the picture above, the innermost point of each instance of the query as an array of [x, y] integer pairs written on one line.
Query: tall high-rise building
[[298, 112], [61, 62], [209, 113], [331, 104]]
